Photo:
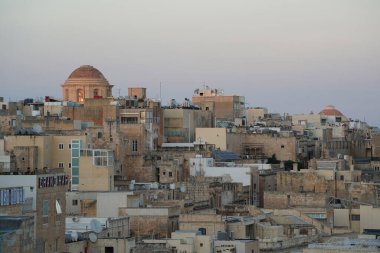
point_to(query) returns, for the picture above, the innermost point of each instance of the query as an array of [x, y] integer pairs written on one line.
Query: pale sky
[[292, 56]]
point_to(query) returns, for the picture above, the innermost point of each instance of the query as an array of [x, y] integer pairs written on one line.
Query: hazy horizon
[[289, 56]]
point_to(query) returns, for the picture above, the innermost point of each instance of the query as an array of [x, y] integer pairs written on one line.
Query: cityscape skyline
[[295, 57]]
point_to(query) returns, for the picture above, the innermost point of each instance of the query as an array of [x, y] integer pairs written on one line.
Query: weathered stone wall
[[296, 182], [283, 200], [269, 232], [211, 222], [94, 114], [49, 124], [6, 124], [376, 144], [148, 226], [20, 239], [26, 158], [11, 210], [283, 147]]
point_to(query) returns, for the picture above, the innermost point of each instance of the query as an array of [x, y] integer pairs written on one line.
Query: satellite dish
[[37, 128], [95, 226], [92, 237]]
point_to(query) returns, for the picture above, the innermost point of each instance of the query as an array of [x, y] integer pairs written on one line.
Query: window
[[69, 146], [61, 165], [100, 135], [102, 158], [108, 249], [134, 146], [75, 202], [163, 173], [129, 120], [45, 212], [80, 95], [69, 165], [282, 146], [304, 231], [60, 146], [341, 177], [201, 244], [355, 217], [58, 211], [170, 174]]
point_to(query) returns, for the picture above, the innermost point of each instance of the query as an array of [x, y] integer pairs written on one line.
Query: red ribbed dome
[[86, 71], [330, 111]]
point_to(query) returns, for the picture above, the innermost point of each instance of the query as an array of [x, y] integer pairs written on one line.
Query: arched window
[[96, 93], [80, 95]]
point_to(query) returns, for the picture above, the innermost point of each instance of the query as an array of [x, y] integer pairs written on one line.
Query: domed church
[[86, 82], [333, 115]]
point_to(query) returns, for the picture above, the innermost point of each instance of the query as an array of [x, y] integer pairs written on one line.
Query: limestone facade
[[86, 82]]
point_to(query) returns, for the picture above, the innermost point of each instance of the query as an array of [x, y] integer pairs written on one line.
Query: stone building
[[319, 189], [98, 235], [42, 153], [255, 114], [224, 107], [86, 82], [156, 222], [209, 224], [17, 234], [131, 127], [42, 197], [252, 145], [328, 117], [344, 244], [330, 134], [96, 170], [180, 124]]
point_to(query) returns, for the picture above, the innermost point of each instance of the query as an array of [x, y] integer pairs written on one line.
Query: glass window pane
[[45, 208], [74, 152], [75, 162], [75, 180], [75, 171]]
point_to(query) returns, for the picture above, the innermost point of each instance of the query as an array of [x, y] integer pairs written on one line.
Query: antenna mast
[[160, 93]]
